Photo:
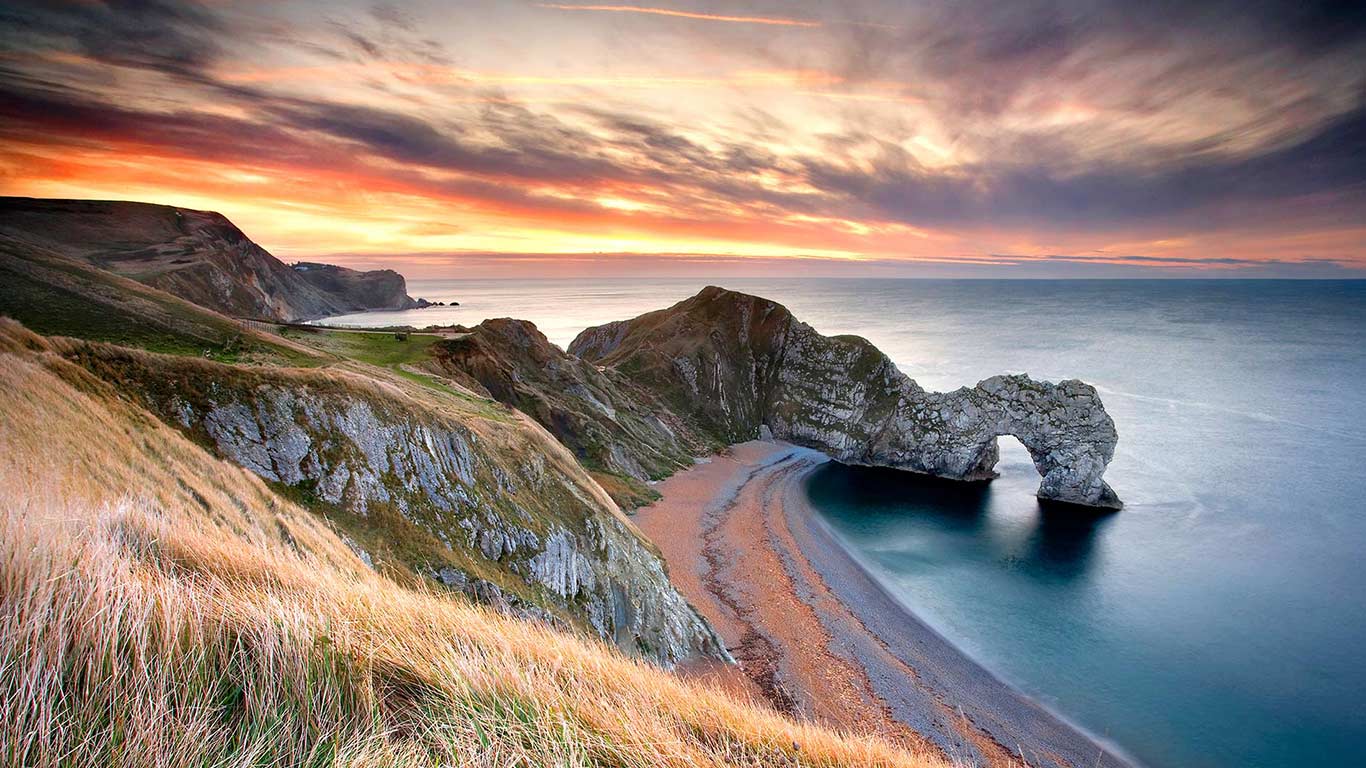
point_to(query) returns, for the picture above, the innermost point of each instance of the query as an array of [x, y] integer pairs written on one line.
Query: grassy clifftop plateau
[[163, 607]]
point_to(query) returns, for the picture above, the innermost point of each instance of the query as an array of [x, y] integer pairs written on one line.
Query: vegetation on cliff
[[428, 478], [199, 256], [617, 430], [162, 607]]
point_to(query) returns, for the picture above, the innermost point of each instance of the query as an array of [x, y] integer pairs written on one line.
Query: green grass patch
[[79, 308], [386, 350]]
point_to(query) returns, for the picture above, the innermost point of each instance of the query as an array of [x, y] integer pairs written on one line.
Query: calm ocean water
[[1220, 619]]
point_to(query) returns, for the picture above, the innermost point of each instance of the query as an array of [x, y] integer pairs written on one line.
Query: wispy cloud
[[765, 20], [948, 136]]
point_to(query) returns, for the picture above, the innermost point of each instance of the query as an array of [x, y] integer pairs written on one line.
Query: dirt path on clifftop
[[816, 637]]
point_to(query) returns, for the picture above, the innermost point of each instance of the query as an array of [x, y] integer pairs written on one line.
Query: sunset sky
[[688, 137]]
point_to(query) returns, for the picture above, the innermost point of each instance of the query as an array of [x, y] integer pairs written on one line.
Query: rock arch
[[844, 397], [1063, 426], [732, 364]]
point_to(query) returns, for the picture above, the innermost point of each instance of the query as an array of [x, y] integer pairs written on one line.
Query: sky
[[959, 138]]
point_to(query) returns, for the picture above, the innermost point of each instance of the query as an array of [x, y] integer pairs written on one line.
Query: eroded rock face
[[735, 363], [540, 537], [601, 416]]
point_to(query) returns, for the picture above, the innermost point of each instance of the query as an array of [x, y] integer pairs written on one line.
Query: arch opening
[[1004, 454], [1014, 459]]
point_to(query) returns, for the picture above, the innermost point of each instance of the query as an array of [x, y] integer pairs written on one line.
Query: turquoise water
[[1219, 620]]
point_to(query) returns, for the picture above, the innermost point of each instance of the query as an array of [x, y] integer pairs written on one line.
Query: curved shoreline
[[816, 634], [1044, 723]]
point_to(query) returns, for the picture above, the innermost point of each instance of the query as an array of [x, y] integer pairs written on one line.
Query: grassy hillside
[[432, 481], [60, 296], [440, 484], [433, 486], [196, 255], [161, 607]]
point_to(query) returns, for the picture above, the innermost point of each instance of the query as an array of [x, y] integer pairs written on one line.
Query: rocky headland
[[199, 256], [739, 367], [360, 291]]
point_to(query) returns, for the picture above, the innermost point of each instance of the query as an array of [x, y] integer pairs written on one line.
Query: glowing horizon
[[653, 138]]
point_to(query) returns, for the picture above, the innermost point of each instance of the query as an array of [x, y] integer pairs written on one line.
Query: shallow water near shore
[[1218, 620]]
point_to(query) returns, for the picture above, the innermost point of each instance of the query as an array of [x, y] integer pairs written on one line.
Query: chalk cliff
[[737, 366]]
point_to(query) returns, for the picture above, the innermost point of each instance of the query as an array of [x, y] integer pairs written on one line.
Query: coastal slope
[[164, 607], [616, 429], [739, 366], [428, 478], [199, 256], [424, 480]]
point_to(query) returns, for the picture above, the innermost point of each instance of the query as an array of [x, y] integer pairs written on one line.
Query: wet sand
[[817, 637]]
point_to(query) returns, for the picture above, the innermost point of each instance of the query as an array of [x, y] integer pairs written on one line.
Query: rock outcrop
[[199, 256], [360, 291], [608, 422], [509, 516], [734, 364]]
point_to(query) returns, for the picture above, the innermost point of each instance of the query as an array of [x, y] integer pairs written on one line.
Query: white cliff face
[[494, 489], [756, 366]]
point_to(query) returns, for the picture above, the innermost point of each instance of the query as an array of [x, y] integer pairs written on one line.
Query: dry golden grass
[[160, 607]]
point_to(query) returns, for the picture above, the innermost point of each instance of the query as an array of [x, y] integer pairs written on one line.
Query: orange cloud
[[350, 207]]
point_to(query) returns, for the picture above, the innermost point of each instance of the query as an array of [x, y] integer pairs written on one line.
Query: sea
[[1218, 620]]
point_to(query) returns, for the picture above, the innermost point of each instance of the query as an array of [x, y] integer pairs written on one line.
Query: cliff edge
[[373, 289], [199, 256], [617, 430]]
